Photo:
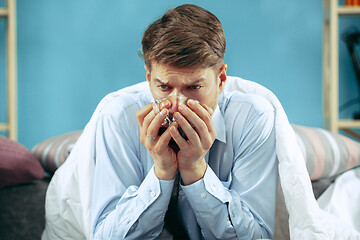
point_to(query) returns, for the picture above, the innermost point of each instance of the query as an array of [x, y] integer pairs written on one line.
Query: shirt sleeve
[[127, 202], [244, 206]]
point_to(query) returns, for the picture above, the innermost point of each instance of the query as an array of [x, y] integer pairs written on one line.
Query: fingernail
[[163, 112], [193, 102], [174, 123], [173, 128], [165, 104], [177, 116], [182, 107]]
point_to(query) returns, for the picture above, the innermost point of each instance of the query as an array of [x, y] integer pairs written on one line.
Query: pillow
[[53, 152], [326, 154], [17, 164]]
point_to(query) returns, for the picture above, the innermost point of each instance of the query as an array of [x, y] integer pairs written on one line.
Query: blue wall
[[72, 53]]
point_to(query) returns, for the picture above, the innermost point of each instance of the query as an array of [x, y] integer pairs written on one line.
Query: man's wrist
[[165, 174], [189, 176]]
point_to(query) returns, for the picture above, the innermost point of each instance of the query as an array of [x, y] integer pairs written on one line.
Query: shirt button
[[181, 193], [203, 195], [213, 188], [153, 194]]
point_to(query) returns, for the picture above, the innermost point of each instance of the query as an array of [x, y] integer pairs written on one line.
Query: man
[[221, 144]]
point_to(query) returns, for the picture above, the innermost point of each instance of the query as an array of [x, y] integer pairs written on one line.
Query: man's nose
[[175, 102]]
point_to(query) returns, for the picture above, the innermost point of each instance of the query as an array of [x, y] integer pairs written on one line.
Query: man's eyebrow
[[199, 80], [158, 81]]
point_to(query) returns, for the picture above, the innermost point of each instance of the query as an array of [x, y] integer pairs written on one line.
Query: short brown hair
[[185, 36]]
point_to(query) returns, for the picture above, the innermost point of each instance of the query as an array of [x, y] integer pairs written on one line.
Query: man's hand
[[197, 124], [165, 163]]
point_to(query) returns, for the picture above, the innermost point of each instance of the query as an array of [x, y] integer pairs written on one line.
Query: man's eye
[[195, 87], [163, 87]]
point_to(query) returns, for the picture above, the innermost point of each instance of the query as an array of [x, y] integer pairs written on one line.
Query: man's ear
[[147, 73], [222, 77]]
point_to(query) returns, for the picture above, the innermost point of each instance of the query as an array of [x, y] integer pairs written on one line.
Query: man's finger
[[165, 138], [205, 113], [209, 109], [180, 141], [142, 113], [155, 124]]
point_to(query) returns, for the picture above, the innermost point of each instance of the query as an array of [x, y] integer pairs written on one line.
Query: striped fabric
[[54, 151], [326, 154]]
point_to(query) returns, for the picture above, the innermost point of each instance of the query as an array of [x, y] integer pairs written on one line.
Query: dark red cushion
[[17, 164]]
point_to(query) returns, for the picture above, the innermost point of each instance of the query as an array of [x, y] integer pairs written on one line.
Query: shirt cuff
[[207, 192], [153, 189]]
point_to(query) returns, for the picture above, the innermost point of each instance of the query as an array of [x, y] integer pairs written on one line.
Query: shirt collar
[[219, 124]]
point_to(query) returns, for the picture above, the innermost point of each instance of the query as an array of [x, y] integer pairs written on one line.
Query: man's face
[[201, 84]]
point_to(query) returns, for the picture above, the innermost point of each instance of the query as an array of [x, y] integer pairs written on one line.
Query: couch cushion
[[327, 154], [22, 210], [53, 152], [17, 164]]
